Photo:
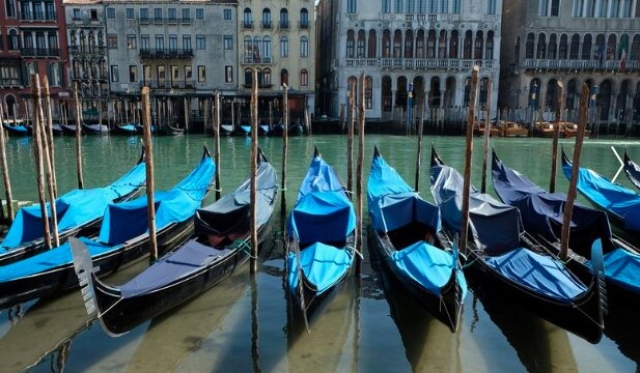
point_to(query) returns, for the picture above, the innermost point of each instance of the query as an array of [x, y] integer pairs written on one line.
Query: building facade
[[277, 37], [411, 52], [32, 41], [596, 42]]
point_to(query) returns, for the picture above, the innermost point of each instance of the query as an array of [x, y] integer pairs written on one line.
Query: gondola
[[79, 212], [542, 216], [406, 235], [69, 129], [15, 127], [127, 129], [621, 204], [220, 245], [506, 259], [123, 237], [56, 130], [95, 129], [321, 229], [632, 170], [227, 129]]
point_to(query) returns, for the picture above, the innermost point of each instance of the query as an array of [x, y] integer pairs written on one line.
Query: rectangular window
[[131, 41], [115, 77], [491, 7], [386, 6], [11, 9], [112, 41], [160, 42], [172, 14], [188, 76], [200, 13], [175, 74], [146, 72], [202, 74], [186, 42], [186, 14], [130, 13], [351, 6], [228, 74], [173, 42], [133, 73], [111, 13], [227, 14], [145, 42], [200, 42], [144, 14], [161, 76], [456, 7], [228, 42], [157, 14]]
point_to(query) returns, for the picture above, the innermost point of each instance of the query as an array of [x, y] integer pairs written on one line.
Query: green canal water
[[242, 325]]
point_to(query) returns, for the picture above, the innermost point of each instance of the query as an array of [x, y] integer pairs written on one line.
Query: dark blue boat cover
[[123, 221], [74, 209], [615, 198], [322, 213], [543, 213], [494, 226], [632, 170], [623, 267], [323, 266], [230, 214], [496, 229], [176, 205], [393, 204], [188, 259], [538, 273]]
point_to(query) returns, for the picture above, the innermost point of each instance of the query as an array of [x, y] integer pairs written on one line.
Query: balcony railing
[[166, 53], [418, 63], [284, 24], [304, 25], [86, 76], [173, 84], [40, 52], [38, 16], [10, 82], [555, 64], [257, 60], [76, 50], [266, 24], [248, 25]]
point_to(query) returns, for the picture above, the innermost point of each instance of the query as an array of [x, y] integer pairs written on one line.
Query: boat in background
[[16, 127], [95, 129], [506, 259], [221, 244], [479, 129], [406, 234], [123, 238], [128, 129], [79, 212], [632, 170], [512, 129], [544, 129], [570, 129], [321, 230]]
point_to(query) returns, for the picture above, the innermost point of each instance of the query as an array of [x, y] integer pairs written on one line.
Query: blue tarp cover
[[623, 267], [323, 266], [188, 259], [615, 198], [322, 213], [495, 226], [75, 208], [50, 259], [393, 203], [428, 266], [538, 273], [130, 217]]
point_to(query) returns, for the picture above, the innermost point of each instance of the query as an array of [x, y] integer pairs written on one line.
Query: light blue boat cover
[[428, 266], [130, 218], [538, 273], [128, 128], [190, 258], [393, 204], [322, 213], [615, 198], [323, 266], [623, 267], [75, 208]]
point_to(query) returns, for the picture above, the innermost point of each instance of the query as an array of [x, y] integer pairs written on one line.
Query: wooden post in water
[[359, 192], [343, 125], [207, 108], [464, 226], [556, 137], [487, 133], [78, 137], [49, 136], [5, 173], [419, 155], [352, 124], [285, 149], [233, 115], [186, 115], [254, 170], [148, 156], [577, 152], [37, 150], [216, 131]]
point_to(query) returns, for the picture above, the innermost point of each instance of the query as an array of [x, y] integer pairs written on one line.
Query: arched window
[[304, 18], [368, 92], [248, 48], [488, 55], [257, 50], [351, 44], [553, 46], [624, 45], [531, 39], [248, 18], [73, 42], [542, 46], [408, 44], [575, 47], [386, 44], [284, 47], [468, 45], [387, 95], [266, 18], [478, 45], [361, 44], [635, 48], [266, 47], [420, 44], [284, 76], [442, 44], [83, 42], [453, 45], [14, 41], [371, 46], [284, 18], [431, 44], [304, 47], [611, 46], [266, 77], [586, 47], [248, 77], [562, 50], [397, 44], [304, 78]]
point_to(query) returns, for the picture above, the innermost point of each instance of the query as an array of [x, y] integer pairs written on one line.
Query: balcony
[[578, 65], [38, 17], [257, 60], [166, 53], [284, 25], [186, 20], [40, 52], [169, 84], [267, 25], [11, 82], [77, 51], [144, 20], [304, 25], [418, 63], [247, 25]]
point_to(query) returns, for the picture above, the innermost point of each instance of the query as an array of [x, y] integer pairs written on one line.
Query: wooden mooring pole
[[43, 118], [285, 149], [5, 174], [352, 124], [49, 125], [78, 136], [148, 156], [419, 155], [556, 137], [216, 131], [359, 187], [254, 170], [487, 134]]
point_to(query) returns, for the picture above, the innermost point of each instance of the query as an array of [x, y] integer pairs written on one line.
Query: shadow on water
[[622, 326], [540, 345]]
